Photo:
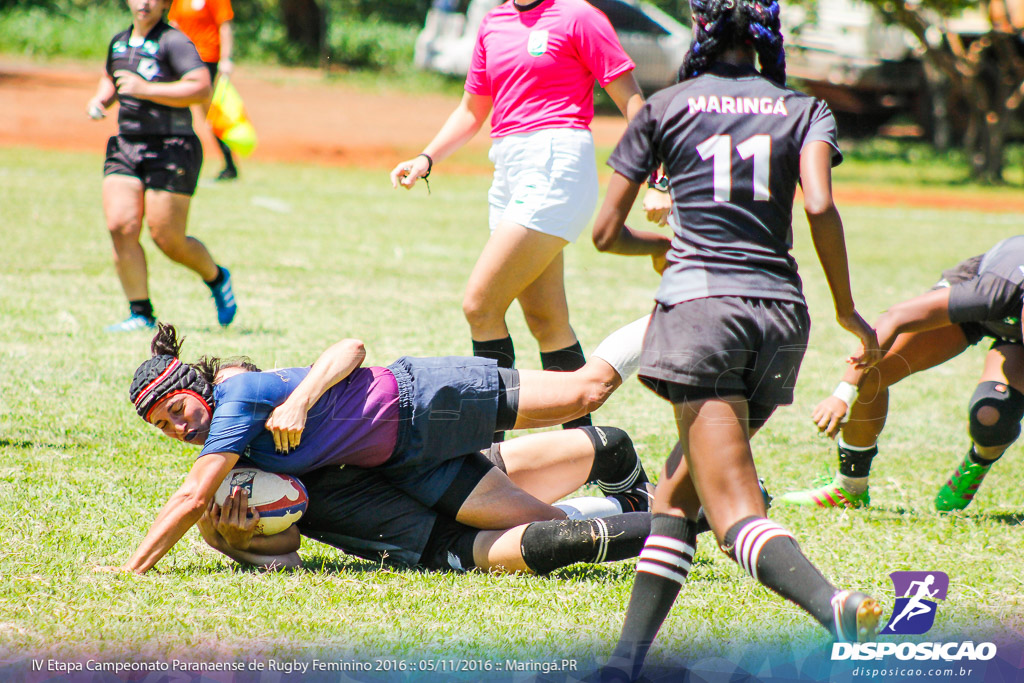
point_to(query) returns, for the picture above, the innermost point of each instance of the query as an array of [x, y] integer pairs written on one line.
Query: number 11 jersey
[[730, 143]]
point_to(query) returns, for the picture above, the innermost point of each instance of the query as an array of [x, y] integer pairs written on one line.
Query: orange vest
[[200, 20]]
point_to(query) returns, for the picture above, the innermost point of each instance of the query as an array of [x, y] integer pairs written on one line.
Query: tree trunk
[[305, 25]]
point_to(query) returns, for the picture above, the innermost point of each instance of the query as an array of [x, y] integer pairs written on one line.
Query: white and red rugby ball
[[280, 499]]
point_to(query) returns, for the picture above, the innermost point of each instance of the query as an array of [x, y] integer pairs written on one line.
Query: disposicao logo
[[914, 614]]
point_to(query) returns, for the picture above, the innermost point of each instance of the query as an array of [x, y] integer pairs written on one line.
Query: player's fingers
[[276, 433], [228, 508], [294, 437], [243, 506]]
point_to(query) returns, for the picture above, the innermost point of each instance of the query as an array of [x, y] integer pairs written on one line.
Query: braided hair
[[721, 24], [164, 374]]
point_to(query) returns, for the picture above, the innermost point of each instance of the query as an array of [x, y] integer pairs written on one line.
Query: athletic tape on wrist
[[846, 392]]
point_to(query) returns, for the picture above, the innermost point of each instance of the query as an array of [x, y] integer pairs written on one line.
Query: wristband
[[846, 392], [430, 164], [657, 181]]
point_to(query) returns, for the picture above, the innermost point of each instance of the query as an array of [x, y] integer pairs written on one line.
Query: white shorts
[[545, 181]]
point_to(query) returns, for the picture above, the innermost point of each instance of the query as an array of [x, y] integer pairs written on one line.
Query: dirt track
[[300, 117]]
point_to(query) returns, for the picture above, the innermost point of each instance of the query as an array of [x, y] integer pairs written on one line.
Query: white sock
[[621, 348], [589, 507], [853, 484]]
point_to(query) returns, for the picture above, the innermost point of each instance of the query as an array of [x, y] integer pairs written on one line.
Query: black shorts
[[361, 513], [726, 346], [972, 298], [448, 407], [170, 164]]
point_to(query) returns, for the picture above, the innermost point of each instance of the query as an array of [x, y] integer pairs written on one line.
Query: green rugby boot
[[831, 495], [958, 492]]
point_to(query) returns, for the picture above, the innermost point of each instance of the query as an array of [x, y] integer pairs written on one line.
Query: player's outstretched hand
[[286, 423], [234, 523], [829, 415], [657, 206], [409, 171], [869, 352]]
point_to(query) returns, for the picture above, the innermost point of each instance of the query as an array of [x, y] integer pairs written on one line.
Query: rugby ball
[[279, 498]]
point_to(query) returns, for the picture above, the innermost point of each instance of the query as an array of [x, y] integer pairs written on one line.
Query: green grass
[[341, 254]]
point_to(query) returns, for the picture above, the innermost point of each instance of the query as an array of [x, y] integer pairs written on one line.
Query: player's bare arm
[[830, 245], [461, 126], [225, 66], [105, 95], [611, 234], [182, 510], [288, 420], [193, 88], [626, 94]]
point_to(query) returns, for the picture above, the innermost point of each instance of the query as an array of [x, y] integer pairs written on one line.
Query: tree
[[985, 71]]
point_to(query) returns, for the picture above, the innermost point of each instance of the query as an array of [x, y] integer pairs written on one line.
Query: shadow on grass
[[1007, 518], [27, 444]]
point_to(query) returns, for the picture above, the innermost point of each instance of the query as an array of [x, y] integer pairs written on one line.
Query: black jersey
[[164, 56], [730, 142], [992, 293]]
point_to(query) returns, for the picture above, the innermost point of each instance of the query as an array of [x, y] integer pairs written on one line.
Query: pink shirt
[[539, 66]]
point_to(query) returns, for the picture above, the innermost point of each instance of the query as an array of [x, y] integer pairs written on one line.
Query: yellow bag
[[228, 120]]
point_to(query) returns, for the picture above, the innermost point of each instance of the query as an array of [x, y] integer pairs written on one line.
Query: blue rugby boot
[[132, 323], [224, 297]]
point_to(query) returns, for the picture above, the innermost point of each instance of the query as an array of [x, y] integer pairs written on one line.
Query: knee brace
[[1005, 404], [616, 466]]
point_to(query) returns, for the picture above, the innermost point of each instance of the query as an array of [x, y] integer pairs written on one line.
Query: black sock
[[217, 281], [501, 350], [769, 553], [973, 456], [143, 307], [229, 161], [547, 546], [566, 360], [856, 462], [664, 565]]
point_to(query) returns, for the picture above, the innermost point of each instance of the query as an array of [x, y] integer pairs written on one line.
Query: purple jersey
[[354, 423]]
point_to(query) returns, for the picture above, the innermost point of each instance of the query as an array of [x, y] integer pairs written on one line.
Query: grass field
[[320, 253]]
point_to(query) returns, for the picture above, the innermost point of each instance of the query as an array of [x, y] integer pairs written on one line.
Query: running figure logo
[[914, 613]]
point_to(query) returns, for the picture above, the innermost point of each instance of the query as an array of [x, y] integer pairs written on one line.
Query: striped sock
[[770, 554], [663, 567]]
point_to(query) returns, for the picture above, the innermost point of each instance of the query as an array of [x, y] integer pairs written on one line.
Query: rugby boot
[[224, 298], [132, 323], [831, 495], [855, 617], [958, 491]]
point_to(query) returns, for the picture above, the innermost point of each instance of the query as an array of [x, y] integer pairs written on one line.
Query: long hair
[[167, 343], [721, 24]]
